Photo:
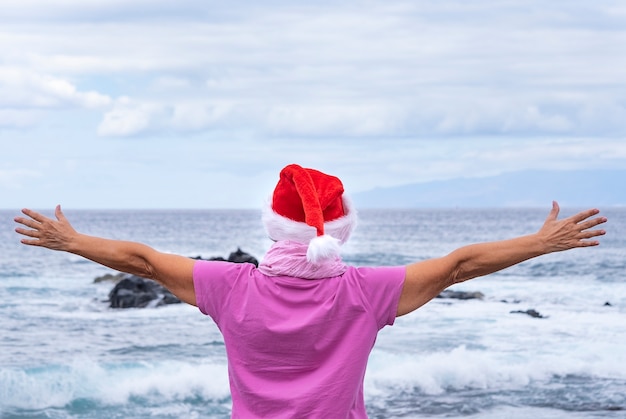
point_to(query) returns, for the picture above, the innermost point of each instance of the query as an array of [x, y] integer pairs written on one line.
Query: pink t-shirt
[[297, 348]]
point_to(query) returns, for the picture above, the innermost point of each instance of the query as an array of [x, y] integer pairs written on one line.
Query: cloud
[[390, 69], [129, 118], [65, 91], [473, 113], [331, 120], [170, 83], [28, 89]]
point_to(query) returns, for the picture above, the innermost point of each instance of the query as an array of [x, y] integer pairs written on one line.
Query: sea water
[[65, 354]]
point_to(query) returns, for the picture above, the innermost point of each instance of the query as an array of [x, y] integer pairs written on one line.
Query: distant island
[[523, 189]]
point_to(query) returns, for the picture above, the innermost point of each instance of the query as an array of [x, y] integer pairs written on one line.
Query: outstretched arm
[[425, 280], [172, 271]]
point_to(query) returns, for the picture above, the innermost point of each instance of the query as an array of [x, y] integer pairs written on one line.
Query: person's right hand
[[46, 232]]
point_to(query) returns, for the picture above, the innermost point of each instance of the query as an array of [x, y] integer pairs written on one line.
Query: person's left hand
[[568, 233]]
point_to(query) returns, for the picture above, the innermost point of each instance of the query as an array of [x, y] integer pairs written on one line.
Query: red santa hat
[[310, 207]]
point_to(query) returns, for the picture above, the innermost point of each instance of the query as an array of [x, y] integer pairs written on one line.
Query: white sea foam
[[57, 386], [435, 373], [463, 369]]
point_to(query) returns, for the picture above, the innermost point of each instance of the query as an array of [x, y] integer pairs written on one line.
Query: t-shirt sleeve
[[213, 282], [382, 287]]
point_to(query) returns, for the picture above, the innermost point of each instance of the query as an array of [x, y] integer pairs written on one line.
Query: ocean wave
[[471, 382], [87, 381], [462, 369]]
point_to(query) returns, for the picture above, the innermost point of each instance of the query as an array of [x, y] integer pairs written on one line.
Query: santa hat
[[310, 207]]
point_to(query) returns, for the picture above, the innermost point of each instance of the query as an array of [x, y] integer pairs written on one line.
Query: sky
[[200, 103]]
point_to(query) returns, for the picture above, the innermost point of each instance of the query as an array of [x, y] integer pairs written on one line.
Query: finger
[[554, 212], [27, 222], [583, 215], [59, 214], [587, 243], [592, 223], [31, 242], [591, 233], [34, 215], [27, 232]]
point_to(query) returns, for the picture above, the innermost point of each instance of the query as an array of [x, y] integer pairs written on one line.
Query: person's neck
[[288, 258]]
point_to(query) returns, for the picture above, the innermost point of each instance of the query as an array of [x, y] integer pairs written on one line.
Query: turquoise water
[[65, 354]]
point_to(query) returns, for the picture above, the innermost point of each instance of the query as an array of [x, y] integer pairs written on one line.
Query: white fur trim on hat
[[283, 228]]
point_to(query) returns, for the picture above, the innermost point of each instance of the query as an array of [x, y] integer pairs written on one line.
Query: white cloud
[[423, 117], [65, 91], [195, 116], [25, 88], [331, 119], [170, 83], [129, 118]]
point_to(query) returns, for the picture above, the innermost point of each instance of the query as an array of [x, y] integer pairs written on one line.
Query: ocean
[[65, 354]]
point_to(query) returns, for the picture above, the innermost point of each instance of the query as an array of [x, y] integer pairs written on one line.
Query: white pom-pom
[[323, 247]]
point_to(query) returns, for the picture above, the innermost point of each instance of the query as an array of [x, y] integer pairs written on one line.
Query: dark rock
[[239, 256], [510, 302], [461, 295], [608, 304], [242, 257], [531, 312], [136, 292], [211, 258]]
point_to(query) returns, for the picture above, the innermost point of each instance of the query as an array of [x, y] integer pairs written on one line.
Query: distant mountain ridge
[[530, 188]]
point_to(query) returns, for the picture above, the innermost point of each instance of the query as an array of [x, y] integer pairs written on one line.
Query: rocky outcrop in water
[[136, 292], [531, 312], [461, 295], [131, 291], [238, 256]]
